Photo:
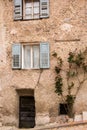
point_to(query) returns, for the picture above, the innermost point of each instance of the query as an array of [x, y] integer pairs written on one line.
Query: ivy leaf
[[57, 69], [58, 85], [71, 73], [70, 86], [71, 57], [70, 99], [60, 61], [79, 59], [85, 67], [54, 54]]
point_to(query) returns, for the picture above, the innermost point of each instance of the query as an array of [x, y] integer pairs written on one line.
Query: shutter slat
[[17, 9], [16, 55], [44, 8], [44, 55]]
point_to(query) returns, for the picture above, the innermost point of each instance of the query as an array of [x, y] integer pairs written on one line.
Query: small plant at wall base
[[77, 65]]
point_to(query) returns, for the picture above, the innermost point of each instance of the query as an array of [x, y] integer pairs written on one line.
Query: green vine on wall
[[77, 62]]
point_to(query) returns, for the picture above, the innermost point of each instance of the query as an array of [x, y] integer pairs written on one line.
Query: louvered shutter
[[16, 56], [17, 9], [44, 55], [44, 8]]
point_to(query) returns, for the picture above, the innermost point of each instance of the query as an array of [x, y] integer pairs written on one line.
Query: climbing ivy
[[76, 61]]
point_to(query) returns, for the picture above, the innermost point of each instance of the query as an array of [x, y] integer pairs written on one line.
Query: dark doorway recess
[[26, 112], [63, 109]]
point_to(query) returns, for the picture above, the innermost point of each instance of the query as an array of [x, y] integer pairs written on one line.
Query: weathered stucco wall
[[65, 30]]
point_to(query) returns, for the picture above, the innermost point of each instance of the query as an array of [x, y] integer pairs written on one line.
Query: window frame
[[32, 57], [24, 11]]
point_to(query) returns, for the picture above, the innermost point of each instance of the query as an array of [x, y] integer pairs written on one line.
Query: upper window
[[31, 9], [30, 56]]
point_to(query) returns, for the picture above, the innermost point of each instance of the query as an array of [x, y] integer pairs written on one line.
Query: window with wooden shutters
[[31, 9], [30, 56], [16, 56]]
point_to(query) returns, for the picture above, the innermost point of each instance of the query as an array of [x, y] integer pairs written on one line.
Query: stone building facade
[[58, 25]]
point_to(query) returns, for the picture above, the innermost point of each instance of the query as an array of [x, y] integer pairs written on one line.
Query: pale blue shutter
[[16, 56], [44, 8], [17, 9], [44, 55]]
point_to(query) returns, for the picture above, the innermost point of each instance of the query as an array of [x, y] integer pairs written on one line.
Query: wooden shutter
[[17, 9], [44, 55], [16, 55], [44, 8]]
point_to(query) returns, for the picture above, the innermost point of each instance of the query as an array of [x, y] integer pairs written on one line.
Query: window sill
[[30, 19], [30, 69]]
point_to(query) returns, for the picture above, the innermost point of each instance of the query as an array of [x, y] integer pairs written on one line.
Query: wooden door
[[27, 112]]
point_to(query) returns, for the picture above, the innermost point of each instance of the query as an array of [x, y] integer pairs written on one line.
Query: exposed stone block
[[84, 114], [78, 117], [42, 119]]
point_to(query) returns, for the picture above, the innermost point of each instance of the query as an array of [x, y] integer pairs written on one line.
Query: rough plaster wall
[[65, 30]]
